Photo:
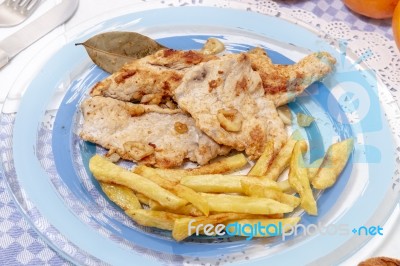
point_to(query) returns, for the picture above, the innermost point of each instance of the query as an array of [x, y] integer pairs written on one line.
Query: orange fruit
[[373, 8], [396, 25]]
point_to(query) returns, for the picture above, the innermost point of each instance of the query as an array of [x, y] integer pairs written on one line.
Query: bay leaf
[[111, 50]]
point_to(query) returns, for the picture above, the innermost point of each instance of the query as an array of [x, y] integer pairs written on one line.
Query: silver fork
[[13, 12]]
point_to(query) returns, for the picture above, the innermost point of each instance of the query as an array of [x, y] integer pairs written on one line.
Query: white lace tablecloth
[[370, 39]]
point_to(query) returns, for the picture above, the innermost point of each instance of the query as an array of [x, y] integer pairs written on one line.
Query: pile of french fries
[[170, 199]]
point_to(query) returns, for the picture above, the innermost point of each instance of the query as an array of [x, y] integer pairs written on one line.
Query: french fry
[[288, 199], [260, 227], [213, 183], [261, 166], [224, 165], [155, 206], [106, 171], [298, 179], [275, 216], [189, 210], [312, 172], [181, 199], [285, 186], [258, 183], [256, 190], [181, 191], [185, 227], [193, 197], [157, 219], [143, 199], [281, 160], [313, 168], [221, 183], [244, 204], [148, 172], [122, 196], [335, 160]]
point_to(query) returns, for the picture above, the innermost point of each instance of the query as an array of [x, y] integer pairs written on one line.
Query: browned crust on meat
[[146, 133], [282, 83], [193, 57], [380, 261], [177, 59], [241, 86], [214, 84], [159, 74], [162, 72], [169, 52], [240, 89], [258, 138], [123, 75]]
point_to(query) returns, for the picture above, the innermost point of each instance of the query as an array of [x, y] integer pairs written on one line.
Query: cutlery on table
[[35, 30], [14, 12]]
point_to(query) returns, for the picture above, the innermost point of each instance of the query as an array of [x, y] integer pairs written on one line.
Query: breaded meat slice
[[226, 98], [146, 134]]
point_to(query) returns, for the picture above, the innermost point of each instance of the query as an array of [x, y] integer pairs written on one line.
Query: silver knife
[[35, 30]]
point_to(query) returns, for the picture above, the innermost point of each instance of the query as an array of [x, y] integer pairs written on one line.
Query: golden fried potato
[[298, 178], [288, 199], [157, 219], [122, 196], [282, 159], [181, 191], [335, 160], [224, 165], [189, 210], [256, 190], [155, 206], [312, 170], [147, 172], [215, 183], [261, 166], [193, 197], [143, 199], [272, 216], [222, 183], [258, 184], [244, 204], [105, 171]]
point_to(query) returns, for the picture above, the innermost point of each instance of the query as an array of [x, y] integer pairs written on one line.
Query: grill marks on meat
[[231, 86], [232, 99], [147, 134], [157, 75], [283, 83]]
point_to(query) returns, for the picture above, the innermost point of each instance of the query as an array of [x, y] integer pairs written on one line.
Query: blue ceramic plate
[[46, 164]]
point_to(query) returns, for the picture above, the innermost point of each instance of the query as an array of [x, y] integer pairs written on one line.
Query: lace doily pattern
[[376, 48]]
